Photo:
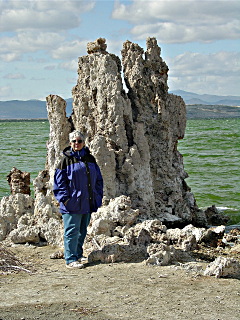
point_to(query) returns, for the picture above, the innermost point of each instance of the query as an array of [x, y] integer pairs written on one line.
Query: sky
[[41, 40]]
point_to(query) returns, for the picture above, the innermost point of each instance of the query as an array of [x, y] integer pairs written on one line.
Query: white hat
[[76, 134]]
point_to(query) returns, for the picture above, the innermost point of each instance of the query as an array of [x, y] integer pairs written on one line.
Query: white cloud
[[114, 46], [70, 65], [171, 32], [12, 48], [69, 50], [14, 76], [200, 72], [30, 26], [181, 21], [9, 56], [53, 15], [5, 92], [220, 63], [43, 39], [77, 48]]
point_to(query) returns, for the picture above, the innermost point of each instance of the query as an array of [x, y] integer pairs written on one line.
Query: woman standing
[[78, 187]]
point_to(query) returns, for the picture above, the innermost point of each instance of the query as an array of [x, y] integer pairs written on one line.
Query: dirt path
[[112, 291]]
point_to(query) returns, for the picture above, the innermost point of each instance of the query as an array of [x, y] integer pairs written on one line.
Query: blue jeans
[[75, 231]]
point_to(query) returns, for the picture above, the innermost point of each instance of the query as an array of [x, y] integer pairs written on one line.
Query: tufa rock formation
[[223, 267], [19, 181], [133, 134]]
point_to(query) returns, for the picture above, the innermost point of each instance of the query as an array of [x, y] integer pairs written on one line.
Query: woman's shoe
[[75, 264], [83, 259]]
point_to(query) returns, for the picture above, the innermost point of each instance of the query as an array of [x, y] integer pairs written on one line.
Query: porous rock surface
[[19, 181], [223, 267], [133, 134], [12, 208]]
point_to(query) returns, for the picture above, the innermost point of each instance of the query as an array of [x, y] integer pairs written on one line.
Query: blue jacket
[[78, 179]]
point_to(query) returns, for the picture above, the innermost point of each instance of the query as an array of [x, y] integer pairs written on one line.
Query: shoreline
[[189, 117], [23, 119]]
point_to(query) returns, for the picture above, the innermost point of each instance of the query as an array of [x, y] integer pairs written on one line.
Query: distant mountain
[[201, 111], [198, 106], [194, 98], [29, 109], [17, 109]]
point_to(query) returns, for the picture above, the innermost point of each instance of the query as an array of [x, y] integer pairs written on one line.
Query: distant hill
[[202, 106], [17, 109], [212, 111], [198, 106], [207, 99], [29, 109]]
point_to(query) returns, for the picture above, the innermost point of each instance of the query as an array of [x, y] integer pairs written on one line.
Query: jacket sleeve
[[61, 185]]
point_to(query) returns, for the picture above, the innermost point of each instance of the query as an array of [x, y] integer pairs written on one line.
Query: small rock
[[223, 267]]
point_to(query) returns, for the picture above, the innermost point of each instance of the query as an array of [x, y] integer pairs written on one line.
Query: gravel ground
[[112, 291]]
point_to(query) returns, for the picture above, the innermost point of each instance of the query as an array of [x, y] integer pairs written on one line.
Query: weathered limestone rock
[[183, 238], [212, 236], [233, 236], [97, 46], [214, 217], [24, 220], [117, 213], [19, 181], [134, 135], [116, 234], [173, 245], [51, 231], [46, 211], [223, 267], [12, 208], [236, 249], [132, 247], [26, 231], [41, 183], [60, 127], [161, 254]]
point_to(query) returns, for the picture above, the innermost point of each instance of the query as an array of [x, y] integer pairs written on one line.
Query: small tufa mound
[[215, 217], [98, 45], [19, 181], [223, 267]]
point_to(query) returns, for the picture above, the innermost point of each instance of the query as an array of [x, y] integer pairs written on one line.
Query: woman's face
[[77, 143]]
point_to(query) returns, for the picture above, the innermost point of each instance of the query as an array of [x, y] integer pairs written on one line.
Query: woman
[[78, 187]]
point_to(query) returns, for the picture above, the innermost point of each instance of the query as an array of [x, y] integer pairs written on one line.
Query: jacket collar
[[77, 154]]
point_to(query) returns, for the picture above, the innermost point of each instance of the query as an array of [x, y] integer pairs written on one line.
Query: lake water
[[211, 156], [23, 145], [210, 151]]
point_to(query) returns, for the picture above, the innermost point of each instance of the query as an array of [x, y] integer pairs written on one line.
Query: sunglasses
[[79, 141]]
